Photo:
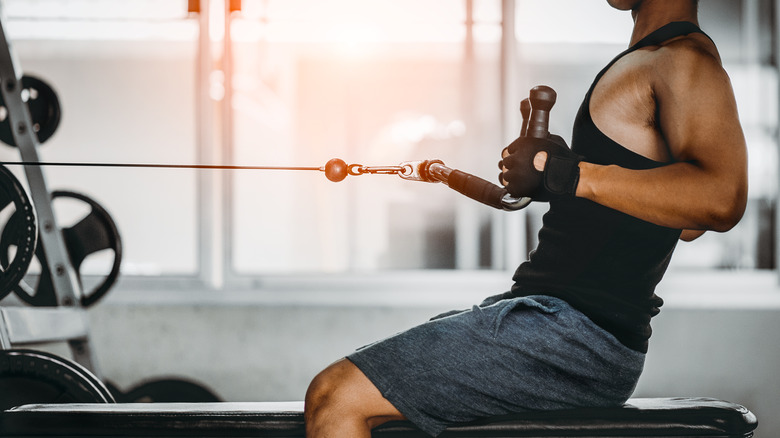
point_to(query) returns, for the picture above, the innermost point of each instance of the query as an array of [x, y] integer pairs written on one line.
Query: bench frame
[[639, 417]]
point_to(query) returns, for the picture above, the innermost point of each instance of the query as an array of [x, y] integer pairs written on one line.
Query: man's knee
[[331, 389], [342, 391]]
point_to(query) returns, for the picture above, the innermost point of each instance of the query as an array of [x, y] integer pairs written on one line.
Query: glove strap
[[561, 175]]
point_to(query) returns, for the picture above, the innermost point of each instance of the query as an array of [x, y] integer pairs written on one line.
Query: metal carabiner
[[411, 170], [383, 170], [419, 170], [359, 169]]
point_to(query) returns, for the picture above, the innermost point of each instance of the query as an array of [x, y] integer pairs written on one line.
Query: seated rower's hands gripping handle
[[477, 188], [507, 199], [561, 172], [488, 193]]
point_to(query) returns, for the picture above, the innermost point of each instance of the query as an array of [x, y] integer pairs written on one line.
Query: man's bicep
[[700, 123], [698, 117]]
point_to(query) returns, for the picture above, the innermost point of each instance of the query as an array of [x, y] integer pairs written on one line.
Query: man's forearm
[[680, 195]]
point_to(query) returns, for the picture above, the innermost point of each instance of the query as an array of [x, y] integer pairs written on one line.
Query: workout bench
[[640, 417], [43, 395], [46, 396]]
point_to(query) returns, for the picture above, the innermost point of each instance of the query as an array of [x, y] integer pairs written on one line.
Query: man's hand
[[541, 169]]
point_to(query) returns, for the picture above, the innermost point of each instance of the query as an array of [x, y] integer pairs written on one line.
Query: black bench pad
[[648, 417]]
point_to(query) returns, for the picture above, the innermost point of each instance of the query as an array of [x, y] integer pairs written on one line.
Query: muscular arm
[[706, 186]]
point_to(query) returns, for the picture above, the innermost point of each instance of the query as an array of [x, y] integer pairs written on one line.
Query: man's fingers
[[539, 163]]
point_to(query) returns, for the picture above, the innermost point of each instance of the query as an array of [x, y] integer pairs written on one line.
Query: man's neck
[[652, 14]]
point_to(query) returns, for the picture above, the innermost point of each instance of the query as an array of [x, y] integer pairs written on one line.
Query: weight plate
[[44, 107], [28, 376], [20, 232], [167, 390], [94, 232]]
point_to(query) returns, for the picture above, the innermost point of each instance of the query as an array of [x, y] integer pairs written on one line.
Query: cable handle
[[535, 111], [508, 201], [464, 183], [477, 188], [542, 98]]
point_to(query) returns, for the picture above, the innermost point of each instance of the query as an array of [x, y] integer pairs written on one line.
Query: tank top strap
[[667, 32]]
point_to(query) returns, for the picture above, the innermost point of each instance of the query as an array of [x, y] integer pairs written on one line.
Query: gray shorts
[[501, 357]]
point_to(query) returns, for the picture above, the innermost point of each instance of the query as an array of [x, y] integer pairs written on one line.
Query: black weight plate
[[19, 232], [167, 390], [44, 107], [114, 390], [94, 232], [28, 376]]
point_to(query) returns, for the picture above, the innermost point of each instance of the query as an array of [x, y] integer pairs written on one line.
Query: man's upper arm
[[696, 106], [697, 115]]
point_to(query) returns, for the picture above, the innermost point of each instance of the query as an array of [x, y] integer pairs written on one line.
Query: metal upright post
[[776, 37], [467, 214], [228, 178], [65, 282], [510, 244], [209, 150]]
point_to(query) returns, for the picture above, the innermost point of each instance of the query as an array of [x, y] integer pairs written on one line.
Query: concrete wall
[[717, 340]]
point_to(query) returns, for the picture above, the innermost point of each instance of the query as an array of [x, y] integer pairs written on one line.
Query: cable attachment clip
[[359, 169], [422, 170], [336, 170]]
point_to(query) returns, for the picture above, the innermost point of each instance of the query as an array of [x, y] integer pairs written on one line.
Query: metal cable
[[156, 165]]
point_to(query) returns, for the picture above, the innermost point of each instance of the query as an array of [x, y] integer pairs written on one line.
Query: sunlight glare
[[216, 20], [355, 40]]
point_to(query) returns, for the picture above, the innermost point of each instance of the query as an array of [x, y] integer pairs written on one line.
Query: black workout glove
[[559, 178]]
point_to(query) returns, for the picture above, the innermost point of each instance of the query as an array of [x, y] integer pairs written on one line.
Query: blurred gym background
[[252, 281]]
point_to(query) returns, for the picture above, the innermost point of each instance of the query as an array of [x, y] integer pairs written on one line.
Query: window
[[298, 82], [125, 76], [375, 84]]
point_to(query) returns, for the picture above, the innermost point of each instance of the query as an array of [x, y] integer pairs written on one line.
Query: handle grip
[[508, 201], [472, 186], [538, 104], [525, 111], [542, 99]]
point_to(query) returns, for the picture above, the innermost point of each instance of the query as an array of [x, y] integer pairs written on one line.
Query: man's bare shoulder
[[684, 60]]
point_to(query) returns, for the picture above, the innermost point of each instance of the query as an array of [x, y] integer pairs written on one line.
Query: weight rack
[[67, 322]]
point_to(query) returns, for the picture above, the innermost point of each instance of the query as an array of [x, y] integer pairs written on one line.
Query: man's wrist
[[585, 187]]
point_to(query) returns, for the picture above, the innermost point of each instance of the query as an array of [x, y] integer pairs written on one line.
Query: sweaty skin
[[671, 103]]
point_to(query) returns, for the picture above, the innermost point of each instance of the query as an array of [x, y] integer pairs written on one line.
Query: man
[[657, 155]]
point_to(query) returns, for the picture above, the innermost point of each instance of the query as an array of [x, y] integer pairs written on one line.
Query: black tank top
[[603, 262]]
